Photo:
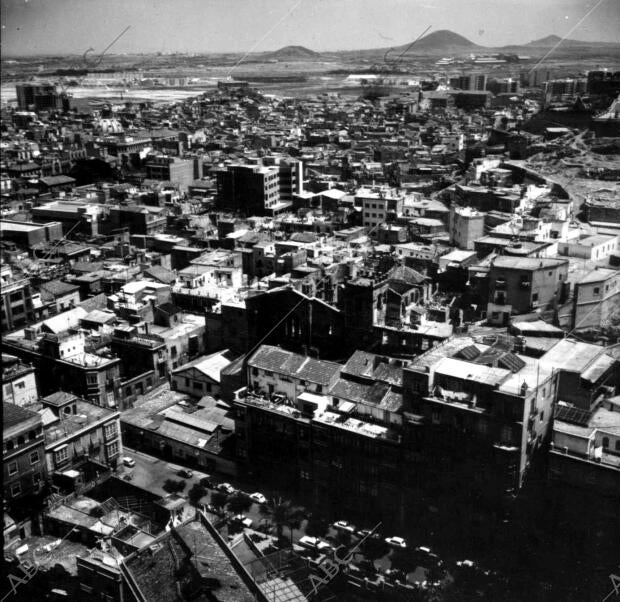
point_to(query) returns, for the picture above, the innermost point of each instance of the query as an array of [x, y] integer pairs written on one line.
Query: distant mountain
[[551, 41], [445, 42], [442, 41], [292, 53]]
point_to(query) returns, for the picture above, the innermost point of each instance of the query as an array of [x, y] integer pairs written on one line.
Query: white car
[[226, 488], [397, 542], [259, 498], [313, 543], [343, 525], [127, 461]]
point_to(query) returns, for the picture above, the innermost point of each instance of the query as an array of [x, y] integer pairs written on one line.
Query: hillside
[[550, 41], [439, 42], [292, 53]]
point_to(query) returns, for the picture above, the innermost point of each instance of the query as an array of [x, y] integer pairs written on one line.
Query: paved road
[[150, 472]]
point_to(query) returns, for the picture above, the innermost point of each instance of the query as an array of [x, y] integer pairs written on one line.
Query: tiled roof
[[13, 414], [278, 360]]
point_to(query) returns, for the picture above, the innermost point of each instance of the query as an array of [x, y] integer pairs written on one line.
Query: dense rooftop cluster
[[385, 306]]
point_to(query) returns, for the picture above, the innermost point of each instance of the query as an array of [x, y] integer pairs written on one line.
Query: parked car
[[226, 488], [212, 509], [366, 532], [397, 542], [206, 482], [127, 461], [186, 474], [343, 525], [259, 498], [393, 575], [243, 520], [314, 543], [427, 558]]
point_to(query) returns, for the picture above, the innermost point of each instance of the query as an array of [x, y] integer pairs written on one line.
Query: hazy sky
[[72, 26]]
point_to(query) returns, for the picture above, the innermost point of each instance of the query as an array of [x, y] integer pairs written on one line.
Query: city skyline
[[36, 27]]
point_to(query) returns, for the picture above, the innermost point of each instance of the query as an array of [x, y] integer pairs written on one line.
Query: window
[[197, 385], [506, 434], [36, 478], [32, 435], [597, 290], [61, 455], [304, 474], [436, 417], [110, 430], [618, 445], [112, 449], [34, 457], [534, 297], [605, 442], [20, 385], [12, 468], [16, 489]]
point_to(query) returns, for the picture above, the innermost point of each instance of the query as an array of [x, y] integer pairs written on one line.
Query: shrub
[[239, 502], [174, 485], [196, 493]]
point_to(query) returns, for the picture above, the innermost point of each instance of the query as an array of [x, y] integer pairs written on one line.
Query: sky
[[72, 26]]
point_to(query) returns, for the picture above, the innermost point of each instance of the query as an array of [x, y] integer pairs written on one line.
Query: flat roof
[[572, 355], [455, 368]]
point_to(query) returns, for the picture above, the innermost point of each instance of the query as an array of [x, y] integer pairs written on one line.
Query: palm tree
[[283, 513]]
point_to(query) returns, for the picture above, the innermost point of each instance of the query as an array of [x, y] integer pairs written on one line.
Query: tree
[[239, 502], [196, 493], [218, 499], [317, 527], [174, 485], [283, 513]]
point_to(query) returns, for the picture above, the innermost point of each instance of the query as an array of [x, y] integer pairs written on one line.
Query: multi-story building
[[260, 189], [23, 453], [585, 372], [137, 219], [17, 308], [164, 168], [274, 371], [39, 97], [61, 295], [77, 431], [518, 285], [56, 349], [470, 81], [597, 299], [466, 225], [379, 205], [372, 444], [19, 382]]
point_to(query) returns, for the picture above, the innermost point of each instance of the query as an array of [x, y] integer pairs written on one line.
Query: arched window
[[20, 440], [9, 445], [32, 435]]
